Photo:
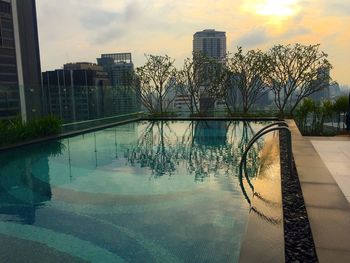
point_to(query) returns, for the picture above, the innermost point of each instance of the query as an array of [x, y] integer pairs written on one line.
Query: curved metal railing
[[269, 128], [256, 137]]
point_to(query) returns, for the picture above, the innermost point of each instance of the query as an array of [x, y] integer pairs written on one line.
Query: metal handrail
[[257, 137], [279, 123], [103, 119], [252, 141]]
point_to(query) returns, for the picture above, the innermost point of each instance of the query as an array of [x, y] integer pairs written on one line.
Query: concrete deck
[[335, 153], [327, 207]]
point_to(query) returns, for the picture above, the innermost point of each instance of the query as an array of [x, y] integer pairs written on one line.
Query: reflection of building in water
[[95, 150], [211, 133], [125, 135], [76, 92], [24, 185]]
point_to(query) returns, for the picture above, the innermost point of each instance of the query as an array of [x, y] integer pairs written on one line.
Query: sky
[[81, 30]]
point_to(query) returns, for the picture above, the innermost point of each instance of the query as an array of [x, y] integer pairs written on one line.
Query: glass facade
[[9, 94], [79, 95], [20, 73]]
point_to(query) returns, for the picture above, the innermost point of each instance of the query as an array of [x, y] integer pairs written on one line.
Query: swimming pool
[[164, 191]]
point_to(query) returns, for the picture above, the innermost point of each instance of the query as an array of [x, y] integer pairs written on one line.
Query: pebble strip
[[299, 243]]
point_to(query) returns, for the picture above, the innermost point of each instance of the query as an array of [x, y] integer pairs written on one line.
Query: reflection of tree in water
[[205, 148], [253, 154], [154, 150]]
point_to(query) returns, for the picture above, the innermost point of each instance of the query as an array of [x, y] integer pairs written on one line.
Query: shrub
[[15, 131], [341, 105], [311, 116]]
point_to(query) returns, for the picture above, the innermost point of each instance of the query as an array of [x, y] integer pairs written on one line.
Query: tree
[[341, 104], [156, 80], [201, 80], [191, 79], [341, 107], [217, 80], [247, 71], [296, 72]]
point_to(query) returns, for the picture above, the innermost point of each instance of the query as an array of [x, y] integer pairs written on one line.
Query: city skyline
[[87, 28]]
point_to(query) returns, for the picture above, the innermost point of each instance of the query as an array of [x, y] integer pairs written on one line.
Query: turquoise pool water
[[140, 192]]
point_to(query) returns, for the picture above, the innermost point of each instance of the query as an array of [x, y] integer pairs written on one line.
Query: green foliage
[[291, 72], [246, 72], [15, 131], [296, 71], [191, 80], [341, 105], [311, 116], [156, 79]]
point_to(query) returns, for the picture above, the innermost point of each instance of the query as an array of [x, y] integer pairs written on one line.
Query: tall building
[[210, 42], [125, 97], [213, 44], [77, 92], [119, 67], [20, 73]]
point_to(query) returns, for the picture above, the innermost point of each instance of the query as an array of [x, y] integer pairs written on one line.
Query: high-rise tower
[[210, 42], [20, 72]]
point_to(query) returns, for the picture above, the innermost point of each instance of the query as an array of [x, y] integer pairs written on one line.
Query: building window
[[5, 8], [6, 33]]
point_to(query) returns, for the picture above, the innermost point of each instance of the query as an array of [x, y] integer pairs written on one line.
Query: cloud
[[262, 36], [255, 37], [337, 8], [295, 32], [79, 30], [97, 19], [109, 26]]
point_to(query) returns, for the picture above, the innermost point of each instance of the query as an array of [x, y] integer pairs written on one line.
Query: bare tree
[[247, 71], [156, 80], [296, 72], [193, 80], [218, 79]]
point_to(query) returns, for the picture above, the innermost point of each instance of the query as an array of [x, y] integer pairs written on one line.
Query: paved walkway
[[328, 209], [335, 153]]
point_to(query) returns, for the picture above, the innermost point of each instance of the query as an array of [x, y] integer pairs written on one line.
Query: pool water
[[141, 192]]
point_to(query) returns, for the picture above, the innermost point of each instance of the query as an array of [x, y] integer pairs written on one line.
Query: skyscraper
[[76, 92], [20, 73], [213, 44], [210, 42], [119, 67], [125, 95]]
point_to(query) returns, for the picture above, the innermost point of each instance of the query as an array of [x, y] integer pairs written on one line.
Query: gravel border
[[299, 243]]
